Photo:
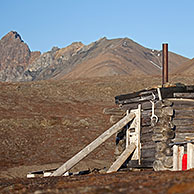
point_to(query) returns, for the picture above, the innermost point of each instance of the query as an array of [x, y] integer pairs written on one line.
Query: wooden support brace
[[97, 142], [122, 158]]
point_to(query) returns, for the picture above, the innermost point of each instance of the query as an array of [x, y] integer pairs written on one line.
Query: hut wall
[[175, 114]]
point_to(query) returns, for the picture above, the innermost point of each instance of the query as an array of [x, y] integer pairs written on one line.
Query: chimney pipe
[[164, 63]]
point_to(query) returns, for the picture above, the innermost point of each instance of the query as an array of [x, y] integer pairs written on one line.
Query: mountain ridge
[[104, 57]]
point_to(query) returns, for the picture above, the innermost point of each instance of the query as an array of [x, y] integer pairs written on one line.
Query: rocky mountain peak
[[12, 36], [14, 56]]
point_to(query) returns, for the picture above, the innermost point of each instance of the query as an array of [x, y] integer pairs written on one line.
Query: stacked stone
[[163, 133]]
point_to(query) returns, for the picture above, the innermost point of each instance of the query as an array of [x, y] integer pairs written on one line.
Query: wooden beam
[[178, 152], [190, 155], [97, 142], [122, 158]]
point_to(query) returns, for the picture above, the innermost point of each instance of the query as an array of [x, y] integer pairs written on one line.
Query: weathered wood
[[148, 153], [158, 165], [115, 118], [185, 129], [145, 163], [97, 142], [148, 146], [163, 103], [161, 146], [145, 106], [179, 134], [146, 122], [168, 162], [140, 99], [182, 103], [160, 130], [147, 113], [183, 121], [134, 137], [159, 137], [146, 137], [190, 155], [135, 95], [168, 151], [114, 111], [180, 137], [184, 95], [170, 134], [178, 152], [182, 113], [160, 156], [167, 111], [145, 130], [122, 158]]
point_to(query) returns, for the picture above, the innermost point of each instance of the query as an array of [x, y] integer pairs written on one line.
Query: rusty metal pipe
[[164, 63]]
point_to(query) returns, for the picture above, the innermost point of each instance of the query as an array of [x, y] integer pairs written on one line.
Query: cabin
[[154, 128], [166, 125]]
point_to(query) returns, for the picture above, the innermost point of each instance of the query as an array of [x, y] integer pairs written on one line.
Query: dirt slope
[[186, 68]]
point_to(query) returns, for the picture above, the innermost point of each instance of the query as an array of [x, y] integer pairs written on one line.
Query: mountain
[[121, 57], [103, 57], [15, 56], [186, 68]]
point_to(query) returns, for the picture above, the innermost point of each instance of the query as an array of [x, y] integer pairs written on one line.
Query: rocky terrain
[[100, 58], [44, 123]]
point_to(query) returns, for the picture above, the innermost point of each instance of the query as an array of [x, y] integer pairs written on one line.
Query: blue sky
[[47, 23]]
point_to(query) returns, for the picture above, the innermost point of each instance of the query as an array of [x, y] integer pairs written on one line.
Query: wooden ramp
[[97, 142]]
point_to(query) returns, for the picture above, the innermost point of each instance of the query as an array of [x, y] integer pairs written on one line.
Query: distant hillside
[[121, 57], [186, 68], [100, 58]]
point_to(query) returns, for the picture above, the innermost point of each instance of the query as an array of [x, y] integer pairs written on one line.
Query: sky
[[43, 24]]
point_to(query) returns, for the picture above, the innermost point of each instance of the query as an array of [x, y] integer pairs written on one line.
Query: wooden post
[[97, 142], [122, 158], [134, 137], [178, 152], [190, 155]]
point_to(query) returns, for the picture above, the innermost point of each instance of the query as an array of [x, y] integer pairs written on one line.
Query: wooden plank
[[148, 145], [115, 118], [178, 101], [190, 155], [145, 130], [183, 121], [182, 113], [114, 111], [135, 95], [97, 142], [175, 158], [184, 95], [148, 153], [136, 100], [146, 137], [184, 129], [122, 158], [144, 105]]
